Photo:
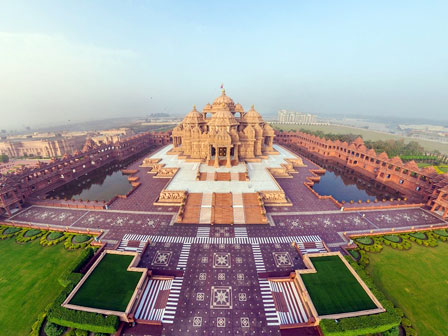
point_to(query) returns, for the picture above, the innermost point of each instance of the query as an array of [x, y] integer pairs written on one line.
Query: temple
[[223, 131]]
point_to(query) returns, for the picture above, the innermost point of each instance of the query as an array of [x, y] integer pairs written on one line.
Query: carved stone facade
[[218, 133], [172, 197]]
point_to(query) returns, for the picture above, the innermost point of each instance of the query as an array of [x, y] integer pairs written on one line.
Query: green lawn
[[110, 286], [366, 134], [333, 289], [417, 282], [29, 282]]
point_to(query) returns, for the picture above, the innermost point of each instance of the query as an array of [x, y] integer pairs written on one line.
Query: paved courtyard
[[221, 271]]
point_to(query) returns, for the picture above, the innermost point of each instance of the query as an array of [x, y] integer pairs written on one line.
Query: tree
[[4, 158]]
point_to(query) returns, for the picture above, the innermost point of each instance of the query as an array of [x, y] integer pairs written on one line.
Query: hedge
[[393, 238], [69, 275], [8, 231], [52, 329], [22, 236], [362, 325], [418, 235], [97, 323], [71, 246], [32, 232], [54, 235], [49, 240], [364, 240], [81, 238], [84, 320]]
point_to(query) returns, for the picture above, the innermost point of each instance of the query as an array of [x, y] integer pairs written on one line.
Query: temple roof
[[223, 117], [193, 117], [223, 99], [252, 116]]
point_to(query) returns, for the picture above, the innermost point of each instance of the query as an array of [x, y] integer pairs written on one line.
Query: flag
[[222, 86]]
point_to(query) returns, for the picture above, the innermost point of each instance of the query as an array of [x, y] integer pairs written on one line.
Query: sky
[[80, 60]]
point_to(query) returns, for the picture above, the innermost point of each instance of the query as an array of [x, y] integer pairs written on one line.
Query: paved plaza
[[220, 284]]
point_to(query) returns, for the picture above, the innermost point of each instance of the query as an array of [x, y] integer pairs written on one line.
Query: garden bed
[[393, 238], [334, 289], [364, 240], [419, 235], [110, 286]]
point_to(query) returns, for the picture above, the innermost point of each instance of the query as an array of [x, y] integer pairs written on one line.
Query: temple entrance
[[222, 151], [213, 151]]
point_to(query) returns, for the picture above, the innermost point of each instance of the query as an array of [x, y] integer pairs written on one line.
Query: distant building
[[291, 117], [49, 145]]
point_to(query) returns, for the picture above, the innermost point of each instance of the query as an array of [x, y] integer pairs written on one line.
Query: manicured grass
[[10, 230], [78, 239], [32, 232], [366, 134], [333, 289], [441, 232], [54, 235], [416, 281], [29, 282], [364, 240], [419, 235], [110, 286], [393, 238]]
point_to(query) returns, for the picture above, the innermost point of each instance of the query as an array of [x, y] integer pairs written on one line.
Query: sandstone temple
[[223, 131]]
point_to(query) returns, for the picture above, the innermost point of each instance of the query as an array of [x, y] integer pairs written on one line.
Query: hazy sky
[[76, 60]]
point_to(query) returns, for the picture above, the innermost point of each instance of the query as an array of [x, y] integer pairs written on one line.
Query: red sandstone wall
[[404, 177]]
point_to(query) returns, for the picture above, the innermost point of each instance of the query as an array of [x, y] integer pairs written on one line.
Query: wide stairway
[[223, 208]]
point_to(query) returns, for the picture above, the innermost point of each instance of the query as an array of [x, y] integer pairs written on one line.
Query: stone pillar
[[209, 153], [236, 148], [216, 157], [229, 164]]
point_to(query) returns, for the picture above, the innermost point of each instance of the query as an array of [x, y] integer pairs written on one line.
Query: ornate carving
[[275, 197], [172, 196]]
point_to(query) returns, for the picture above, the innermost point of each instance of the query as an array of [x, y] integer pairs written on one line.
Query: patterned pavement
[[220, 284]]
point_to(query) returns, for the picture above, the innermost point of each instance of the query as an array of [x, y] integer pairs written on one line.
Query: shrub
[[11, 230], [392, 238], [49, 238], [32, 232], [81, 238], [395, 331], [441, 232], [52, 329], [27, 235], [80, 332], [54, 235], [364, 240], [418, 235], [405, 322], [409, 331], [355, 254]]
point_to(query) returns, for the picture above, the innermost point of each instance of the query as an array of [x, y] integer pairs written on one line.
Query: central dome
[[223, 99]]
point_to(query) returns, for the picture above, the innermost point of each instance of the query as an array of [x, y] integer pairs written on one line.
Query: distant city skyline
[[79, 60]]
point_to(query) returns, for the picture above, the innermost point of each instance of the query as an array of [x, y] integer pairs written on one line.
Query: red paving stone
[[198, 312]]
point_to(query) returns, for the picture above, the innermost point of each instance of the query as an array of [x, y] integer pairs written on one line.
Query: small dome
[[194, 117], [239, 108], [223, 117], [252, 116], [268, 130], [207, 108]]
